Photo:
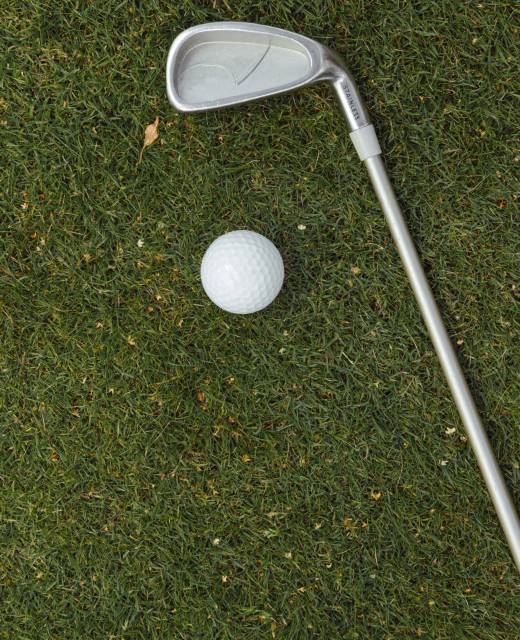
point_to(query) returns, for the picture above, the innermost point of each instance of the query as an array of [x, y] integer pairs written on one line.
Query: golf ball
[[242, 272]]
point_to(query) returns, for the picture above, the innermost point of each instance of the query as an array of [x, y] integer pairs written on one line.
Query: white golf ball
[[242, 272]]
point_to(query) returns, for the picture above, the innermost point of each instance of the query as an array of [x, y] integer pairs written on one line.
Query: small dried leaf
[[376, 495], [151, 133], [355, 270], [131, 341]]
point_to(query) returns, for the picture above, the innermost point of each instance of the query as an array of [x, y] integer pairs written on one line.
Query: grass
[[171, 471]]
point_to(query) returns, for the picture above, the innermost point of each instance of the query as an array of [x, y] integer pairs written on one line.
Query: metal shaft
[[465, 404]]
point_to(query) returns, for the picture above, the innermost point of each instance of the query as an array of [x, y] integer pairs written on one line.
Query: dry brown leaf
[[151, 133]]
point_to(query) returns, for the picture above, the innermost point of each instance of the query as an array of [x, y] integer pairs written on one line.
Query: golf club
[[228, 63]]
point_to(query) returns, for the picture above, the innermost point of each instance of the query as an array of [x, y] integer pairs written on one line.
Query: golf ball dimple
[[242, 272]]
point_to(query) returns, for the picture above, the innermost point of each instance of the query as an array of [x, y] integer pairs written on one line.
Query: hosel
[[349, 97]]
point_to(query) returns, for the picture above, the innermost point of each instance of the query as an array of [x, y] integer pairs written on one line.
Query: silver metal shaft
[[468, 412]]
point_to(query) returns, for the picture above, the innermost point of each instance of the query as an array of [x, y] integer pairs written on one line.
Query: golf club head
[[221, 64]]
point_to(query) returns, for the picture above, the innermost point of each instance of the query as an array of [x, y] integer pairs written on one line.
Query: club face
[[226, 63]]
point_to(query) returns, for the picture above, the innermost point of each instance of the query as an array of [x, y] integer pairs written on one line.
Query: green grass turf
[[218, 479]]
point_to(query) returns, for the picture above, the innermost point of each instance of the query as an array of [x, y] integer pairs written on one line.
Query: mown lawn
[[171, 471]]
